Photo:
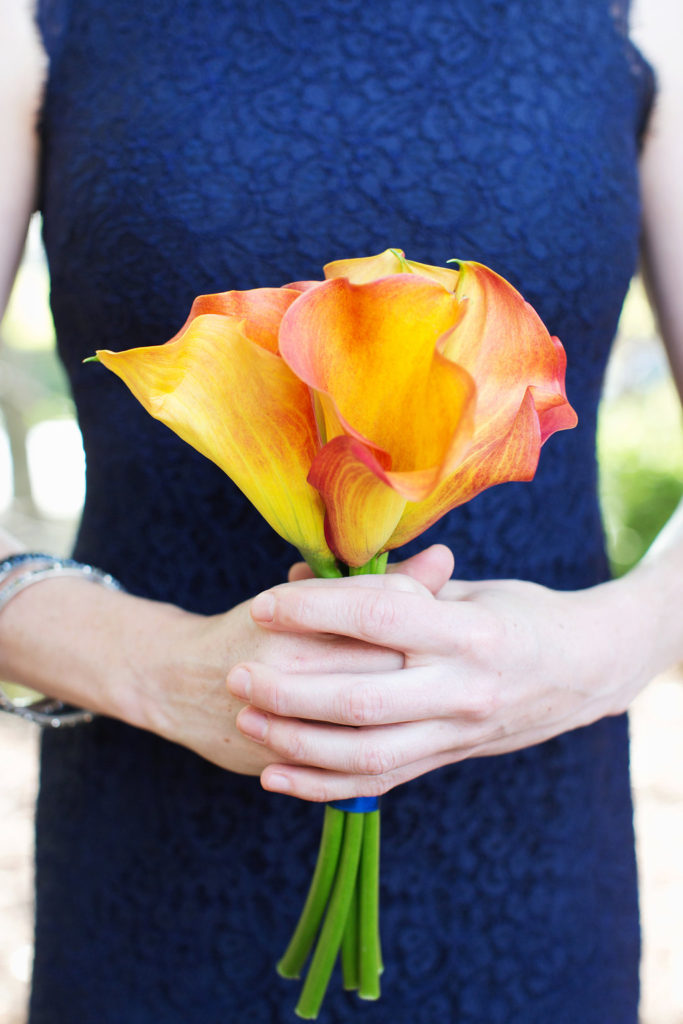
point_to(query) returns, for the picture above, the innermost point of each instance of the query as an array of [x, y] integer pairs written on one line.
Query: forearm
[[87, 645], [154, 665], [657, 586], [22, 73], [146, 663]]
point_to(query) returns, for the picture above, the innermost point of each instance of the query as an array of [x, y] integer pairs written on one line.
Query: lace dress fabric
[[191, 147]]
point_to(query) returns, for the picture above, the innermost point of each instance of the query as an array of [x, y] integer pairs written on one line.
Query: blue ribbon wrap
[[357, 804]]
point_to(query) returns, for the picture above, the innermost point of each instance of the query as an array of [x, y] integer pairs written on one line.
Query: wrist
[[657, 583], [152, 664], [68, 639], [639, 617]]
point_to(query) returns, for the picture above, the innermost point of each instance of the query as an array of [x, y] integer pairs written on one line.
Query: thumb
[[432, 567], [300, 571]]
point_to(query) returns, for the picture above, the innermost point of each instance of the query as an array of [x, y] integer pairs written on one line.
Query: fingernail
[[263, 607], [277, 783], [239, 682], [252, 723]]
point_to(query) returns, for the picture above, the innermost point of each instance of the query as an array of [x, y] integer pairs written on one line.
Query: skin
[[342, 688]]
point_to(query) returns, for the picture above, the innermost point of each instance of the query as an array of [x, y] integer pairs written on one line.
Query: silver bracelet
[[46, 711], [9, 564]]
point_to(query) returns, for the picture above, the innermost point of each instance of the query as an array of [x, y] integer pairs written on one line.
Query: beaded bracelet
[[46, 711], [8, 565]]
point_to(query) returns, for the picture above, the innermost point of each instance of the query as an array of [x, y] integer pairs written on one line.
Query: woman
[[184, 149]]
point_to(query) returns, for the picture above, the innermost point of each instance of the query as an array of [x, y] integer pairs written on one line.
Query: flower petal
[[490, 461], [362, 510], [555, 412], [519, 370], [261, 309], [372, 349], [302, 286], [392, 261], [265, 441], [502, 342]]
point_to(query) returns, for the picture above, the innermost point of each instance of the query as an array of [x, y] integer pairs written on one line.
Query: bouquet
[[354, 412]]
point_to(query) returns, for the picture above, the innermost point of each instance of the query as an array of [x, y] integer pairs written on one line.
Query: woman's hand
[[487, 668], [180, 683], [188, 703], [160, 668]]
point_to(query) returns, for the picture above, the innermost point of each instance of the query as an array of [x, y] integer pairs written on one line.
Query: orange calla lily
[[221, 386], [370, 354], [396, 474], [363, 269], [519, 371]]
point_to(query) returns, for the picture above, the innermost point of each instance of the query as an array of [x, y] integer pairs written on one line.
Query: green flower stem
[[325, 869], [370, 958], [370, 964], [349, 947], [324, 567], [377, 564], [332, 930]]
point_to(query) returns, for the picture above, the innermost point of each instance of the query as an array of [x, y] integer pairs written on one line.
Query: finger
[[359, 699], [379, 614], [385, 581], [300, 654], [432, 567], [300, 571], [372, 751], [322, 786]]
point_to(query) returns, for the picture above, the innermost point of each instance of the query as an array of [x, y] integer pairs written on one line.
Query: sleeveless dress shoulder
[[191, 146]]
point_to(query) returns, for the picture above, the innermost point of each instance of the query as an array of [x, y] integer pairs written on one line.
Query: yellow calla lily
[[222, 387]]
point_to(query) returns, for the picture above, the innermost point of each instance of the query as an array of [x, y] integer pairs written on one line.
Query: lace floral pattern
[[192, 147]]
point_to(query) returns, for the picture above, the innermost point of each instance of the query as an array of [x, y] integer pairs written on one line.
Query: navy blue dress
[[194, 146]]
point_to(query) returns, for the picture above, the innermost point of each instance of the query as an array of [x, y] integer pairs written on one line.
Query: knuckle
[[377, 613], [380, 786], [312, 788], [292, 745], [374, 760], [362, 704], [320, 792], [306, 607], [485, 632], [401, 582], [481, 703], [267, 695]]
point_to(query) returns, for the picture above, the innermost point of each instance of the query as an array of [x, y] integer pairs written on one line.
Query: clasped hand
[[482, 668]]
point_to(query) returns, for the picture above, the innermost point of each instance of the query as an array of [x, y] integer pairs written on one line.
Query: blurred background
[[641, 461]]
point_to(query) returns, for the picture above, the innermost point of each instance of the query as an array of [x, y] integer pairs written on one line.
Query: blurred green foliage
[[640, 451]]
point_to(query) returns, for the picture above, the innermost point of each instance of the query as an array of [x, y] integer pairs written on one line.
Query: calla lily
[[221, 386], [396, 415], [363, 269], [519, 371], [406, 442]]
